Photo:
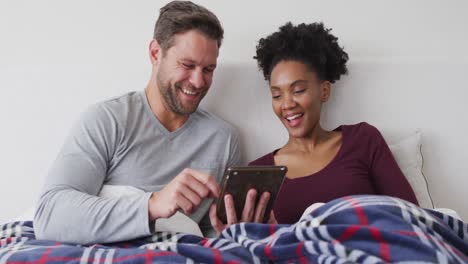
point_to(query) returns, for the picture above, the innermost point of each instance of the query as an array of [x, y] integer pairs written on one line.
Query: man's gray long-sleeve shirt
[[121, 142]]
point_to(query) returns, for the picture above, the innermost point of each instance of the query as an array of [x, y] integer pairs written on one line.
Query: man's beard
[[169, 93]]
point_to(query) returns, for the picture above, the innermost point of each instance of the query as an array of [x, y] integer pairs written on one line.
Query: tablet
[[238, 181]]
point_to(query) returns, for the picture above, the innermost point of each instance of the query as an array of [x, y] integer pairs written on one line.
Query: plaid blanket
[[362, 229]]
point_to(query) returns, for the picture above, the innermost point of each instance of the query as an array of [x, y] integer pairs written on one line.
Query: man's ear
[[325, 88], [155, 51]]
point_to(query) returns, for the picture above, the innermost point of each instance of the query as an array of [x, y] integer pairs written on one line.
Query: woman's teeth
[[290, 118]]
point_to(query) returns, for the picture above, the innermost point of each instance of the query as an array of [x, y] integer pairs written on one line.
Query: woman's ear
[[155, 51], [325, 91]]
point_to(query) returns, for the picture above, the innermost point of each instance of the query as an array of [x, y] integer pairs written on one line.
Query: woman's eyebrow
[[297, 82], [273, 87]]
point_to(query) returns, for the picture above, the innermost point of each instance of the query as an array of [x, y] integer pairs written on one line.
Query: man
[[155, 140]]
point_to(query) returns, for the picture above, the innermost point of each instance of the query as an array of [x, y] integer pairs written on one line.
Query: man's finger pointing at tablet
[[206, 180]]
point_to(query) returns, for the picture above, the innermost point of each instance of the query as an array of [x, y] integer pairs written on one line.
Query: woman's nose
[[288, 102]]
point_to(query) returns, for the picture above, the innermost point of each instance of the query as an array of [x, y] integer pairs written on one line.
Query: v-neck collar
[[157, 123]]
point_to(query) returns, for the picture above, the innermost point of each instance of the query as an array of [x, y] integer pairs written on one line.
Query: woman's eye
[[275, 96], [299, 91]]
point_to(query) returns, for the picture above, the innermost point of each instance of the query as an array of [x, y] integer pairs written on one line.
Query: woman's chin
[[296, 133]]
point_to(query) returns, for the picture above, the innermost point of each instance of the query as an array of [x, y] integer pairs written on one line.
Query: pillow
[[408, 155], [450, 212]]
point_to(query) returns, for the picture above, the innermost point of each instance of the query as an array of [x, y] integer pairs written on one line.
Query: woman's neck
[[308, 143]]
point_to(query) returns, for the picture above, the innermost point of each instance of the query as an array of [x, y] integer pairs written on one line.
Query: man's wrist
[[152, 215]]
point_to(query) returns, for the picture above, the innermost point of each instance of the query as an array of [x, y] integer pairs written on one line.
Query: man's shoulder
[[113, 109], [121, 102], [211, 121]]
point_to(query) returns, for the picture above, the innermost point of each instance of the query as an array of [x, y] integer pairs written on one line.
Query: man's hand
[[186, 191], [250, 213]]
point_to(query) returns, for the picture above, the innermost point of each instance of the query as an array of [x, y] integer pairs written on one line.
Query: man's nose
[[197, 79]]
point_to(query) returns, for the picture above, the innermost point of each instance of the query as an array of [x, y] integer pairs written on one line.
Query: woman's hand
[[250, 213], [272, 219]]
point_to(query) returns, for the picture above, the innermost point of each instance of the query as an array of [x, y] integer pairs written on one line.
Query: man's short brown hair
[[181, 16]]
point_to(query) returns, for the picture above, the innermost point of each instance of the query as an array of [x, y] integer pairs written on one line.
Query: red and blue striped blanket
[[354, 229]]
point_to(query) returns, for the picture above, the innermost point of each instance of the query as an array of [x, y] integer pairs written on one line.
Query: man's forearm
[[70, 216]]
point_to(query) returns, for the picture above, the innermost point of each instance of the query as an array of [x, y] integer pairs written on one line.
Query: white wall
[[407, 69]]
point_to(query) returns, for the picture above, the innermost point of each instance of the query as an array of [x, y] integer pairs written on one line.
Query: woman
[[301, 62]]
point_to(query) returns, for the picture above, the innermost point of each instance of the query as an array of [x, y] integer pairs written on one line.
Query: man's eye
[[275, 96], [208, 70], [187, 66]]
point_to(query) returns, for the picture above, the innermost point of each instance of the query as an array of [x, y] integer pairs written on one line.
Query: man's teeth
[[289, 118], [188, 92]]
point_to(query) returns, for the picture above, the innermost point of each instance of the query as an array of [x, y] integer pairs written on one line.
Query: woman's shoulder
[[265, 160], [360, 129]]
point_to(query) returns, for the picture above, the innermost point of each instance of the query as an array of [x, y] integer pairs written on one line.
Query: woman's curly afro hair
[[311, 44]]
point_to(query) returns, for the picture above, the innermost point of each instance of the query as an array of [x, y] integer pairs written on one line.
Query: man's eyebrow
[[188, 60], [194, 62]]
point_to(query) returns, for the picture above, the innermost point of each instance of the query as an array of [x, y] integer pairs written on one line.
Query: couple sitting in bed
[[148, 140]]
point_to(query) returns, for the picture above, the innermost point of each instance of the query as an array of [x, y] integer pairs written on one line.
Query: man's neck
[[170, 120]]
